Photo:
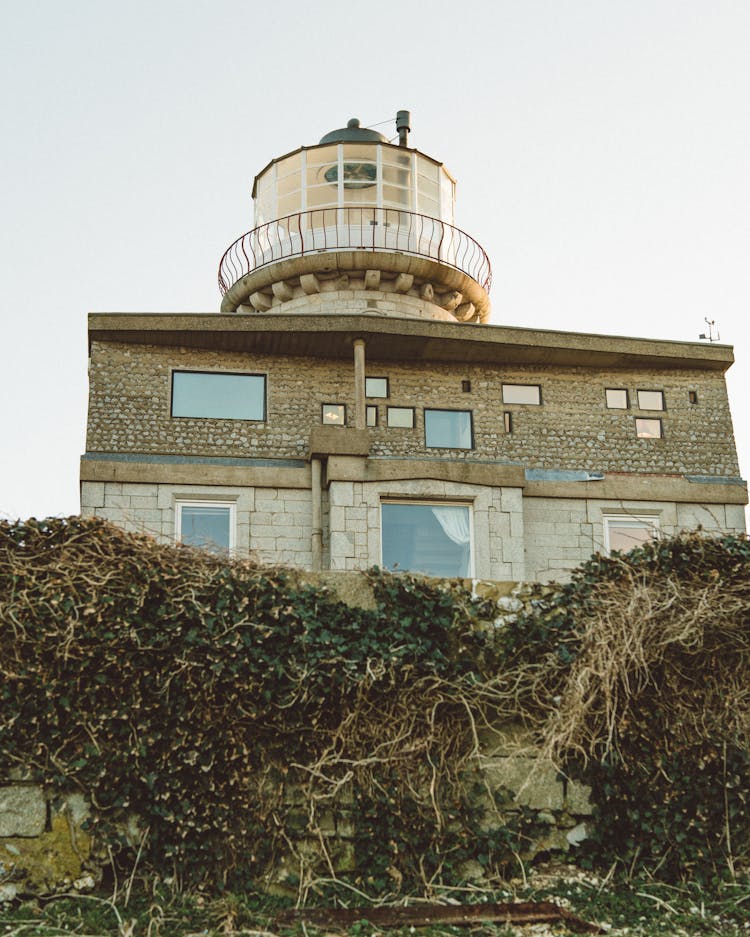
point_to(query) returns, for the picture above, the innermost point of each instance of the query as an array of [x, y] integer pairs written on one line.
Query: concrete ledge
[[640, 488], [338, 440], [194, 474], [392, 339], [467, 473]]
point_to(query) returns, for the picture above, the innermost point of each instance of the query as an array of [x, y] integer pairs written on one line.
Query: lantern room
[[354, 167]]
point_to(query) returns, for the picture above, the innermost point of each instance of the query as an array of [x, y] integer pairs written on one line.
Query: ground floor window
[[206, 524], [430, 538], [622, 532]]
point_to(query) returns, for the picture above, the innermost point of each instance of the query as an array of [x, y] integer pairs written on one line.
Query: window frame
[[470, 413], [522, 403], [371, 408], [331, 404], [218, 373], [645, 390], [431, 503], [628, 520], [649, 419], [384, 396], [180, 503], [404, 409], [616, 390]]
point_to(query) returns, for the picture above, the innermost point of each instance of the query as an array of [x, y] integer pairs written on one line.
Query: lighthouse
[[357, 225], [350, 406]]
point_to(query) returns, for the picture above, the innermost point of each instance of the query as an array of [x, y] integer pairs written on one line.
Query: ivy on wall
[[229, 707], [636, 676], [245, 717]]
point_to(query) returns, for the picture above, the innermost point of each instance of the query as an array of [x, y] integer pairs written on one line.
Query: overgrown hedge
[[231, 707], [636, 675], [198, 693]]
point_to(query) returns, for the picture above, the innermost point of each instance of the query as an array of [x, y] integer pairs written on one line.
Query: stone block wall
[[273, 524], [562, 533], [497, 522]]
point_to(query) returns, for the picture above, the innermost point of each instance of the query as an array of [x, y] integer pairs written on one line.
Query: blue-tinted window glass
[[447, 429], [426, 538], [217, 395], [205, 526]]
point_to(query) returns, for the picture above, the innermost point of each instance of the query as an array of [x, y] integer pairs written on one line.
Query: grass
[[637, 908]]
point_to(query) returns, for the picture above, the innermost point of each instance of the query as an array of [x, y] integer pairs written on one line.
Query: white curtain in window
[[454, 522]]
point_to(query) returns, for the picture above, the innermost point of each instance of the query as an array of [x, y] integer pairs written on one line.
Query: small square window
[[508, 421], [206, 524], [617, 398], [334, 414], [376, 387], [401, 417], [522, 393], [371, 414], [648, 428], [448, 429], [651, 400]]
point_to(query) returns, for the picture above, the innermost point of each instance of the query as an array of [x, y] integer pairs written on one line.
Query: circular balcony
[[324, 230]]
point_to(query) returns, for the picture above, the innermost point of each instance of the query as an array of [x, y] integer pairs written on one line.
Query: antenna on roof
[[713, 331]]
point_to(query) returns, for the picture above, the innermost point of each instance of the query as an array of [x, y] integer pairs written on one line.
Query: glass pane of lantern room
[[447, 196], [396, 197], [426, 538], [322, 164], [289, 165], [323, 196], [265, 196]]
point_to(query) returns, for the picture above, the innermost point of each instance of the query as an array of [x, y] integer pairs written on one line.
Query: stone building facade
[[350, 406]]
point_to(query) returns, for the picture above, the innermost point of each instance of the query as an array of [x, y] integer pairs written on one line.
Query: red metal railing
[[370, 229]]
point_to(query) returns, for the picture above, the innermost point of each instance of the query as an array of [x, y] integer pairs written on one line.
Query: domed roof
[[353, 133]]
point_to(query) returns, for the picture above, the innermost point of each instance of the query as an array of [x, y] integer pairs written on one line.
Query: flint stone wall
[[129, 411]]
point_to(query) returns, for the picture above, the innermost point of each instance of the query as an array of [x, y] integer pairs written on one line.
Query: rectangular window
[[434, 539], [692, 396], [648, 428], [522, 393], [371, 414], [651, 400], [617, 398], [508, 421], [219, 395], [206, 524], [402, 417], [376, 387], [466, 387], [334, 414], [623, 532], [448, 429]]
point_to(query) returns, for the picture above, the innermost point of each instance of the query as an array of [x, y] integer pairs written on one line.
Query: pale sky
[[601, 148]]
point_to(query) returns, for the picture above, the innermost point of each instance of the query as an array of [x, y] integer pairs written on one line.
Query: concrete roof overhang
[[402, 339]]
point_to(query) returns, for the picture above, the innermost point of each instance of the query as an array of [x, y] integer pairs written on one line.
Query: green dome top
[[353, 133]]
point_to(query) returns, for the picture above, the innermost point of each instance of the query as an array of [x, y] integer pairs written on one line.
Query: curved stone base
[[359, 301], [379, 282]]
